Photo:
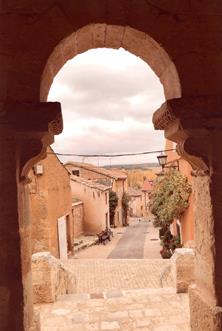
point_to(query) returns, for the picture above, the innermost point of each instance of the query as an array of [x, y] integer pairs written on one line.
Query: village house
[[115, 178], [136, 206], [51, 207], [146, 190], [184, 227], [95, 197], [139, 200]]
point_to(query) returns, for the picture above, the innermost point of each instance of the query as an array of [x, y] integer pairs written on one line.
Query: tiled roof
[[90, 183], [112, 173], [147, 185]]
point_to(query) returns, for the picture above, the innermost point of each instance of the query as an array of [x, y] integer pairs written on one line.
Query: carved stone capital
[[35, 125], [191, 122], [203, 112], [195, 152]]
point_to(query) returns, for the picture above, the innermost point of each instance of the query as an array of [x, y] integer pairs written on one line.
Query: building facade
[[115, 178], [95, 198], [136, 206], [185, 226], [146, 190], [51, 206]]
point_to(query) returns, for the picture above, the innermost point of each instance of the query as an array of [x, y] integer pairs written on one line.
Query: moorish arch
[[181, 41]]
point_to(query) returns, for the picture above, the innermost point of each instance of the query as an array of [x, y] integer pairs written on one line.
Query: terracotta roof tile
[[112, 173]]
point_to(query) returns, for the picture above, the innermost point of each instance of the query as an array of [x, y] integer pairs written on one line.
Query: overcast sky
[[108, 98]]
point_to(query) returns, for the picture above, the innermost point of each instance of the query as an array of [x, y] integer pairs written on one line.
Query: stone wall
[[78, 218], [50, 278]]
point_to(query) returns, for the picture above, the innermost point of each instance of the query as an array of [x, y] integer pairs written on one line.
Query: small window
[[93, 195], [75, 172]]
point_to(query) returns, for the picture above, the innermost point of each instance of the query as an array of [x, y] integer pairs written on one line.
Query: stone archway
[[113, 36], [190, 32]]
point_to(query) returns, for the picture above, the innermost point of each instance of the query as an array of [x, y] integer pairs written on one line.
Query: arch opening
[[113, 36], [108, 96]]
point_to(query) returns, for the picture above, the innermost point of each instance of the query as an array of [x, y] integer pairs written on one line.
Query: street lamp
[[162, 159]]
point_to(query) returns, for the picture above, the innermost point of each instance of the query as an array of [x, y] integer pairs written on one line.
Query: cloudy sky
[[108, 98]]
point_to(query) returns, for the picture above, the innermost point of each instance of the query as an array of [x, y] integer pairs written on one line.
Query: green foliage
[[125, 201], [113, 202], [169, 198], [125, 206]]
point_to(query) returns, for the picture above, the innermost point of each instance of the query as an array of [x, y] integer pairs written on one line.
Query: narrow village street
[[137, 241], [118, 287], [131, 244]]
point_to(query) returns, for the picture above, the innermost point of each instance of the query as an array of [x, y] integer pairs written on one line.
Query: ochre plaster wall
[[118, 185], [95, 206], [78, 218], [50, 195], [187, 219]]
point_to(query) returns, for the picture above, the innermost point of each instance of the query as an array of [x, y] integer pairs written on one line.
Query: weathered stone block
[[183, 268], [50, 278], [203, 315]]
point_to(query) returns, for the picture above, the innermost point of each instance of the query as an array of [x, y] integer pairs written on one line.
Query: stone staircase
[[125, 295], [156, 309]]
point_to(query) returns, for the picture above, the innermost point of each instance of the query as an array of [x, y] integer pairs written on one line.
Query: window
[[106, 198], [75, 172]]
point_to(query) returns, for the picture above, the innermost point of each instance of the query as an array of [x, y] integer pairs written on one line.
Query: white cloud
[[108, 98]]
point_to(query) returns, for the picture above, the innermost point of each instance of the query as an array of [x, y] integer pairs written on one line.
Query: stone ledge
[[180, 273]]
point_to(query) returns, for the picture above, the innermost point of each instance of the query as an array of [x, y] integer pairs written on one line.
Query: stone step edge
[[84, 246], [112, 294]]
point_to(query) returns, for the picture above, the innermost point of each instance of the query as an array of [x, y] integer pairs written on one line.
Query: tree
[[170, 197], [125, 207], [113, 202], [168, 201]]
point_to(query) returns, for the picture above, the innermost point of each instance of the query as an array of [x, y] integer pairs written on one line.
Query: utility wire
[[112, 155]]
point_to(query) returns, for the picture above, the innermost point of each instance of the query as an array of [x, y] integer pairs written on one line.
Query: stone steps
[[159, 309], [84, 243], [117, 293]]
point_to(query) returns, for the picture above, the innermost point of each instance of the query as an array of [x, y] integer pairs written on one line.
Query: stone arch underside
[[113, 36]]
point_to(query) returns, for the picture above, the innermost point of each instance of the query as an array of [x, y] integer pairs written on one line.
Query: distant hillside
[[133, 166]]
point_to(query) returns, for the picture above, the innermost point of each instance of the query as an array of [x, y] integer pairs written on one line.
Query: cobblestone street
[[96, 275]]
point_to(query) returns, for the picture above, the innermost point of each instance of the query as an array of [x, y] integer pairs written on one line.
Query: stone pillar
[[25, 131], [195, 124]]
